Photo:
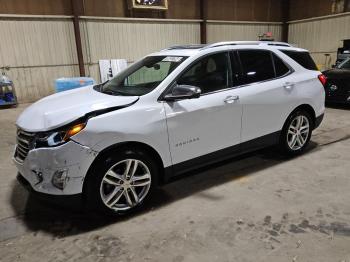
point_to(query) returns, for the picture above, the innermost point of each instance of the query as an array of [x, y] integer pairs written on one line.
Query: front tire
[[296, 133], [120, 182]]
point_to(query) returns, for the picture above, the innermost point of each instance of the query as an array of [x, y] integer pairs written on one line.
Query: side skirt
[[172, 172]]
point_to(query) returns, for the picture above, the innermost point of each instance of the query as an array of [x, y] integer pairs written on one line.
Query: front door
[[209, 124]]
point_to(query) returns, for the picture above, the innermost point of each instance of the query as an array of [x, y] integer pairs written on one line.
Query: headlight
[[56, 138]]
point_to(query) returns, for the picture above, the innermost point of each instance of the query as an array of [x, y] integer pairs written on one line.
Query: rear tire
[[120, 182], [296, 133]]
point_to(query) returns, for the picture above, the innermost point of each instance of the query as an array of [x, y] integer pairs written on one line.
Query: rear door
[[267, 93]]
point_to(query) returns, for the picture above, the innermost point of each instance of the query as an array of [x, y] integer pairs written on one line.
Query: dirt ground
[[257, 207]]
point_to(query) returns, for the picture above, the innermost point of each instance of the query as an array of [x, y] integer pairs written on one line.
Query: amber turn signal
[[74, 130]]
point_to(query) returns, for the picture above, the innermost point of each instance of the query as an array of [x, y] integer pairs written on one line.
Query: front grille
[[25, 142]]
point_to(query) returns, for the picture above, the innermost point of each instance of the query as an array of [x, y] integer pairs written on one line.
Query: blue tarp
[[63, 84]]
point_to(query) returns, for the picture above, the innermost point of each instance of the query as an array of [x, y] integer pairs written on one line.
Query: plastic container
[[7, 90], [64, 84], [9, 97]]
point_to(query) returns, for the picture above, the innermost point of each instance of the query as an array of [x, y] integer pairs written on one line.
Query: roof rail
[[271, 43], [279, 44], [227, 43], [191, 46]]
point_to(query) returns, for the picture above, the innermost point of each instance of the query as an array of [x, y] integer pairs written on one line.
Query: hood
[[337, 73], [60, 109]]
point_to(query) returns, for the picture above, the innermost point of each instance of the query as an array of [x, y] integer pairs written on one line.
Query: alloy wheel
[[125, 184], [298, 132]]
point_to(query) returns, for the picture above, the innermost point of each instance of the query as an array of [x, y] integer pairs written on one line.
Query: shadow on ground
[[61, 221]]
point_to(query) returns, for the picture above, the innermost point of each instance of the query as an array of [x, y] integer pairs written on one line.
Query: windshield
[[143, 76], [344, 65]]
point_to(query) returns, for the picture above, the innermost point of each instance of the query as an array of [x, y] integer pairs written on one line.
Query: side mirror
[[183, 92]]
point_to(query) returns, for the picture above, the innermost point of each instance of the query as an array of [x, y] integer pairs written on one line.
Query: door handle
[[288, 85], [231, 99]]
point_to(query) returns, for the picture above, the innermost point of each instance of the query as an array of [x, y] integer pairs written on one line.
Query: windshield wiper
[[112, 92]]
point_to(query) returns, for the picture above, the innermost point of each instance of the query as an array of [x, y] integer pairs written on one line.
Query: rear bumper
[[339, 96], [338, 100]]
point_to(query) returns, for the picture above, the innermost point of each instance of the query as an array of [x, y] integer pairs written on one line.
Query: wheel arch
[[305, 107], [123, 146]]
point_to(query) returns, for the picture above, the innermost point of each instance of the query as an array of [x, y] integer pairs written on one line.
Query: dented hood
[[60, 109]]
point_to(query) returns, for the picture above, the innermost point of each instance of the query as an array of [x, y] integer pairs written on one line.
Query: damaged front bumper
[[58, 170]]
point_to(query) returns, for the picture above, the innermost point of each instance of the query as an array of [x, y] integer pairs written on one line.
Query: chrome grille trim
[[20, 155], [23, 145], [22, 141], [25, 142]]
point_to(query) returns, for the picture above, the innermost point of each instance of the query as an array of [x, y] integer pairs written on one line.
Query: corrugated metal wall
[[231, 31], [321, 36], [132, 39], [37, 51]]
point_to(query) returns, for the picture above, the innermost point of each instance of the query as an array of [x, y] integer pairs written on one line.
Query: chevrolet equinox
[[175, 110]]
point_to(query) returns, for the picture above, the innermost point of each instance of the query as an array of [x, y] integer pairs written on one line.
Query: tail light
[[323, 79]]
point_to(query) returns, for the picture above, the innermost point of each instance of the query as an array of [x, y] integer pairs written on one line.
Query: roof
[[188, 50], [206, 46]]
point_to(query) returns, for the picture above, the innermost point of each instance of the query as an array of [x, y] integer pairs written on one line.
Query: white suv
[[172, 111]]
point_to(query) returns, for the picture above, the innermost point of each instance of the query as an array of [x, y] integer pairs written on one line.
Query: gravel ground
[[257, 207]]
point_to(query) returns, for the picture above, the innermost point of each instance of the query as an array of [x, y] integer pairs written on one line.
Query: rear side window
[[256, 65], [280, 67], [302, 58]]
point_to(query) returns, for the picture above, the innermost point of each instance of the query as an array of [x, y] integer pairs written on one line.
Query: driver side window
[[210, 74]]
